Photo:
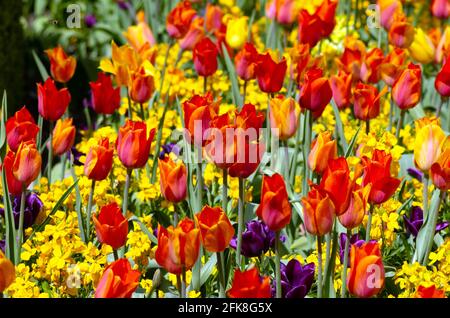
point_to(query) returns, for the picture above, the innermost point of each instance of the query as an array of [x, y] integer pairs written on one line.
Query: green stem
[[286, 160], [200, 184], [63, 165], [277, 265], [125, 192], [319, 263], [221, 275], [369, 222], [367, 126], [129, 103], [50, 156], [306, 150], [391, 115], [205, 84], [183, 284], [240, 221], [78, 206], [21, 220], [434, 214], [225, 191], [400, 123], [89, 210], [425, 195], [244, 95], [116, 255], [163, 72], [345, 265], [142, 111]]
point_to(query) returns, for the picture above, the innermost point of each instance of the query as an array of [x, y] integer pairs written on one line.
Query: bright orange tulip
[[407, 89], [357, 208], [99, 161], [20, 127], [440, 171], [366, 277], [178, 247], [179, 19], [429, 292], [14, 185], [316, 92], [401, 32], [284, 115], [249, 284], [323, 149], [62, 67], [142, 86], [392, 66], [274, 210], [341, 86], [118, 280], [27, 163], [133, 144], [111, 226], [370, 69], [318, 211], [173, 179], [377, 172], [366, 101], [7, 272], [216, 230], [63, 136]]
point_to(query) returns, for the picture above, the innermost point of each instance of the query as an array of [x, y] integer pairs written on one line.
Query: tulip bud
[[99, 161], [216, 230], [52, 103], [111, 226], [27, 163], [20, 128], [318, 212], [63, 136], [173, 179], [323, 149], [62, 67]]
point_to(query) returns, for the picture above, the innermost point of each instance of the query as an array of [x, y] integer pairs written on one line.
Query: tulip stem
[[319, 264], [200, 184], [50, 156], [367, 126], [345, 264], [277, 265], [163, 72], [63, 165], [89, 210], [183, 283], [240, 221], [400, 123], [286, 163], [306, 149], [391, 115], [221, 276], [369, 222], [21, 219], [125, 192], [129, 103], [425, 195], [225, 191], [142, 111], [205, 84], [116, 255], [244, 93]]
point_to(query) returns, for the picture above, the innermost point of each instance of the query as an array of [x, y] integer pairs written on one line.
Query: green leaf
[[352, 143], [55, 208], [237, 98], [339, 127], [3, 118], [11, 242], [40, 65], [144, 229]]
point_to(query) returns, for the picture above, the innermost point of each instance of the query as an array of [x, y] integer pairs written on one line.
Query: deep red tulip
[[270, 73], [52, 103], [316, 92], [20, 128], [205, 57], [105, 98]]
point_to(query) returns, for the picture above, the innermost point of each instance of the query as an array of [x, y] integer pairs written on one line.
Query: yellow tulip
[[7, 272], [237, 30], [284, 115], [428, 145], [422, 49]]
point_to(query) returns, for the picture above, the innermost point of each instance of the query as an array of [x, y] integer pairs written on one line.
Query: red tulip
[[20, 128], [316, 92], [179, 19], [249, 284], [429, 292], [442, 82], [270, 73], [118, 280], [246, 61], [366, 101], [105, 98], [52, 103], [99, 161], [377, 171], [407, 89], [111, 226], [27, 163], [205, 57], [14, 185], [309, 28], [274, 209], [370, 69], [341, 86]]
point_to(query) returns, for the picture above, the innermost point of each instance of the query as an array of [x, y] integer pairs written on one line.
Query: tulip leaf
[[352, 143], [339, 126], [144, 229], [237, 98], [206, 270], [3, 118], [55, 209], [417, 112], [40, 65], [11, 243]]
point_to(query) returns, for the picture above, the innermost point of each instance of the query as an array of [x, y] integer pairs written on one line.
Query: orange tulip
[[179, 19], [20, 127], [7, 272], [370, 69], [366, 101], [315, 93], [357, 208], [274, 210], [429, 292], [99, 161], [194, 35], [388, 9], [63, 136], [118, 280], [401, 32], [392, 66], [62, 67], [142, 86], [300, 61], [140, 34], [249, 284], [318, 211], [246, 61], [14, 185], [440, 171], [178, 247], [125, 60], [198, 112], [173, 179], [52, 103], [366, 277], [284, 115], [27, 163], [270, 73], [213, 17], [337, 183], [341, 86], [111, 226], [352, 58], [442, 82], [377, 172], [216, 230], [407, 89], [323, 149], [133, 144]]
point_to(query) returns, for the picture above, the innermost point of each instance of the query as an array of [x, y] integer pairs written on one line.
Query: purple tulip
[[415, 173], [33, 206], [76, 155], [167, 149], [124, 5], [354, 240], [2, 245], [296, 280], [90, 20], [414, 222], [257, 239]]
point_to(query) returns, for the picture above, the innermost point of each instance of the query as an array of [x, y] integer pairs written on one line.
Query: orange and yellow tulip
[[118, 280], [7, 272], [62, 67], [323, 149], [284, 116], [428, 145], [216, 230], [318, 211], [173, 179], [27, 163], [99, 161], [133, 144], [111, 226], [63, 136], [357, 208]]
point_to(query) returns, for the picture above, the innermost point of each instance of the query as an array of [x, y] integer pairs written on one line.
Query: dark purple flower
[[354, 240], [414, 222], [124, 5], [90, 20], [33, 206], [167, 149], [2, 245], [296, 280], [257, 239], [415, 173], [76, 155]]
